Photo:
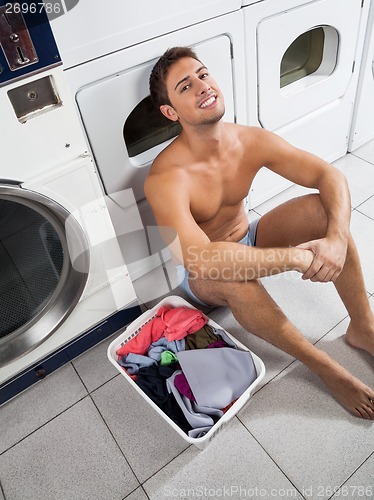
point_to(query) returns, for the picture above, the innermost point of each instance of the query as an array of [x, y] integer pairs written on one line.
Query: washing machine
[[64, 283], [124, 129], [363, 126], [302, 65]]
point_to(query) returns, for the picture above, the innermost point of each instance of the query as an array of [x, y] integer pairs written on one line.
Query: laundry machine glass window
[[146, 127], [32, 264], [314, 51]]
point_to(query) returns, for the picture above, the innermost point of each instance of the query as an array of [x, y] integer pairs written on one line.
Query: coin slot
[[22, 59], [15, 40]]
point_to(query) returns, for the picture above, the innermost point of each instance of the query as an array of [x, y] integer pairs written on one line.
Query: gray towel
[[197, 416], [217, 376]]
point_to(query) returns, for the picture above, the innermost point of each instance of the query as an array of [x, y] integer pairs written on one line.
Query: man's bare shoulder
[[247, 132], [261, 146], [166, 174], [247, 136], [170, 158]]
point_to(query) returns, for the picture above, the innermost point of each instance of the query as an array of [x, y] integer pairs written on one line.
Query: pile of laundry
[[191, 370]]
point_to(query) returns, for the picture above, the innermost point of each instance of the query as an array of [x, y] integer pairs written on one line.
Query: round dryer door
[[39, 287]]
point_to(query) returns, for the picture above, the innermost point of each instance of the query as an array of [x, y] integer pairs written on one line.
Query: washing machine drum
[[39, 286]]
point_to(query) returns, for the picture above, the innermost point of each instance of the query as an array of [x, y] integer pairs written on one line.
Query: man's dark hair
[[160, 70]]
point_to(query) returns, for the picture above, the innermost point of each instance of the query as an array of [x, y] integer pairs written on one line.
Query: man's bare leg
[[256, 311], [295, 222], [304, 219], [351, 288]]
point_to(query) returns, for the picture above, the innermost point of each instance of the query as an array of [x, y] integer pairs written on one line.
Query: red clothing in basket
[[173, 323]]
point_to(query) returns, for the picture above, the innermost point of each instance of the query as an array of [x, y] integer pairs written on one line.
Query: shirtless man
[[196, 186]]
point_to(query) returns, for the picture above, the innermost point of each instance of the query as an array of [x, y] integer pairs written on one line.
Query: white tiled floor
[[84, 433]]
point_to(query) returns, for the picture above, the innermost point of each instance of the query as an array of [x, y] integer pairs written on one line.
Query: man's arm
[[308, 170], [168, 196]]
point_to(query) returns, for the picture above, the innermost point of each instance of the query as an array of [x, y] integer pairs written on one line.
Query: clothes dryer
[[362, 129], [125, 131], [95, 28], [64, 283], [302, 60]]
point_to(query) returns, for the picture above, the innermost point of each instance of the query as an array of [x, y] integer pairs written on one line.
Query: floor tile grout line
[[90, 391], [61, 412], [145, 493], [43, 425], [331, 329], [102, 385], [169, 462], [356, 207], [90, 395], [2, 490], [255, 211], [362, 213], [349, 477], [80, 378], [115, 440], [271, 458], [122, 452], [143, 490], [295, 360], [356, 156]]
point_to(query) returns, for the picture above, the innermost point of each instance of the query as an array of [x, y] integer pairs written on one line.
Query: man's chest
[[213, 191]]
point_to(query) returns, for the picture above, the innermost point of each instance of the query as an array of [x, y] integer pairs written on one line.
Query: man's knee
[[241, 291], [208, 291], [224, 293], [317, 205], [317, 213]]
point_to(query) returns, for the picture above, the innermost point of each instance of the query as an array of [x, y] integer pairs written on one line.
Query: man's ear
[[169, 112]]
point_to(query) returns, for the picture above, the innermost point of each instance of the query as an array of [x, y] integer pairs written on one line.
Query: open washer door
[[39, 285]]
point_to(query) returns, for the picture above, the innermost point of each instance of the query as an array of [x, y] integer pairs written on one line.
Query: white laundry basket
[[134, 328]]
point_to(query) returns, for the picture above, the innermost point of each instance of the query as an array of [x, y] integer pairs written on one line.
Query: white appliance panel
[[53, 137], [95, 28], [328, 146], [313, 112], [315, 91], [363, 124]]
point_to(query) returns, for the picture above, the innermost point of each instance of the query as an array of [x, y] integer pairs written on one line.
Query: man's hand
[[329, 259]]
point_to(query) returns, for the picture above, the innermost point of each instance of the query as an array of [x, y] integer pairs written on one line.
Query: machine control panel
[[26, 41], [15, 40]]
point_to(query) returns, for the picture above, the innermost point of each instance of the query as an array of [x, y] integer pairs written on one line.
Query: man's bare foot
[[353, 394], [363, 339]]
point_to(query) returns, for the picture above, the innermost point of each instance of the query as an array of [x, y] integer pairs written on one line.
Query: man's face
[[195, 97]]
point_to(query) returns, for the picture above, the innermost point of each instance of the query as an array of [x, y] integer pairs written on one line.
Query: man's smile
[[208, 101]]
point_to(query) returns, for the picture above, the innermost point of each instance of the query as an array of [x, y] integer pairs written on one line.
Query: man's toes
[[369, 412], [363, 412], [371, 408]]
